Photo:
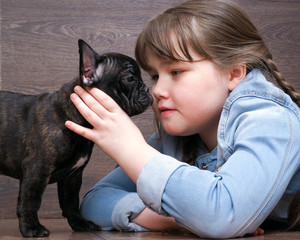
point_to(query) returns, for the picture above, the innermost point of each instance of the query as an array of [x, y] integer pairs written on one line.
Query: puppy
[[38, 149]]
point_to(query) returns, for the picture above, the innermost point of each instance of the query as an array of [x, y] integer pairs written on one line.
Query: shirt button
[[203, 166]]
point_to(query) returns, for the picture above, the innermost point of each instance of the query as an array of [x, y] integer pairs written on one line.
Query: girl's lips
[[165, 111]]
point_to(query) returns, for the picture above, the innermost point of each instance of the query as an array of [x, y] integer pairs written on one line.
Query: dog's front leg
[[68, 193], [32, 187]]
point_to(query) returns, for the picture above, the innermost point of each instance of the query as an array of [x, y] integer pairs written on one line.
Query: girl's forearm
[[155, 222], [134, 158]]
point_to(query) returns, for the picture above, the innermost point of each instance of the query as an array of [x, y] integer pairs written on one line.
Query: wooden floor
[[60, 230]]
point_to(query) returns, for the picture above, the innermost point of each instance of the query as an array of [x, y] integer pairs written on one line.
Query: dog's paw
[[82, 225], [34, 231], [89, 226]]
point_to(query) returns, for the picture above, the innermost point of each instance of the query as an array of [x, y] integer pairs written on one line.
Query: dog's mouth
[[87, 81], [136, 105], [145, 100]]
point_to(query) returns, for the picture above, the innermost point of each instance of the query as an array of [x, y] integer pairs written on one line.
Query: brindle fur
[[38, 149]]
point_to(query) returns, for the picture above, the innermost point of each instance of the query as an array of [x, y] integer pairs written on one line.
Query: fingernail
[[73, 96], [68, 124], [77, 88]]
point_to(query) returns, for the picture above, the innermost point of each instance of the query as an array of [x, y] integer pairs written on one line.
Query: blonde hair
[[217, 30]]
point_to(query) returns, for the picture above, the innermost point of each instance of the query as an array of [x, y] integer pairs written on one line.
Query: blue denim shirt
[[252, 174]]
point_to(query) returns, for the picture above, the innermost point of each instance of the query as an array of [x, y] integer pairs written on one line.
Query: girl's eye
[[176, 72], [154, 77]]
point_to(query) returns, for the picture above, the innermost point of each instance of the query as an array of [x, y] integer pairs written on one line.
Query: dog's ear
[[87, 63]]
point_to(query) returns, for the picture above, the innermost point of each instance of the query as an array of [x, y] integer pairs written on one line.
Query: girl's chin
[[173, 131]]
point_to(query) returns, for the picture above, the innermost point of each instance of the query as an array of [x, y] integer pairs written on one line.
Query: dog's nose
[[147, 90]]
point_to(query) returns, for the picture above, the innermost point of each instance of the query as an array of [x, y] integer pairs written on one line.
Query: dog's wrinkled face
[[116, 74]]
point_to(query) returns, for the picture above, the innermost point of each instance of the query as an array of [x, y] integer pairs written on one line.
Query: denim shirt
[[252, 174]]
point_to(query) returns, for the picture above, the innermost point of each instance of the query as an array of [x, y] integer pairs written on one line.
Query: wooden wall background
[[38, 52]]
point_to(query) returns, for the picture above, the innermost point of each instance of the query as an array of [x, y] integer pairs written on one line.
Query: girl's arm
[[230, 203], [112, 202], [155, 222]]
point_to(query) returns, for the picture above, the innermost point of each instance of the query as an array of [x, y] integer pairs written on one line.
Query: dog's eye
[[128, 80]]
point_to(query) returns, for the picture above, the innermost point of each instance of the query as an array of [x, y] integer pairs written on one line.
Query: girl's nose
[[160, 88]]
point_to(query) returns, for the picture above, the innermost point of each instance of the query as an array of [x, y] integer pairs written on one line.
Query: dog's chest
[[82, 161], [62, 172]]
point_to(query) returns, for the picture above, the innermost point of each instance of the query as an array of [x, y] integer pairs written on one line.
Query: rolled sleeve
[[125, 210], [153, 179]]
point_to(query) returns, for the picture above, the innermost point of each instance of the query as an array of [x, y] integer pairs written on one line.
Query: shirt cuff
[[153, 179], [125, 210]]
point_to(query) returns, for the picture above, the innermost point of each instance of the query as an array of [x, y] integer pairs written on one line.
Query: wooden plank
[[159, 235], [279, 23], [40, 37], [144, 235], [60, 230]]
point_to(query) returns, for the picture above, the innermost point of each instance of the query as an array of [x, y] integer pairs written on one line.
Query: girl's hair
[[217, 30]]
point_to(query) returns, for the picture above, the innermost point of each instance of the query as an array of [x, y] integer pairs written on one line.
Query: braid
[[294, 213], [189, 145], [189, 149], [281, 81]]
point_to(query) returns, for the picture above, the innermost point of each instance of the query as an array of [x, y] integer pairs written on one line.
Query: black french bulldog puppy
[[37, 148]]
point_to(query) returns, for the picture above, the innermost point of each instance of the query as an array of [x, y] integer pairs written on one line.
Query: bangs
[[170, 37]]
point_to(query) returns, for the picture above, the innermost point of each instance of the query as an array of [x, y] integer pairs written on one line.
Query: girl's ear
[[237, 74]]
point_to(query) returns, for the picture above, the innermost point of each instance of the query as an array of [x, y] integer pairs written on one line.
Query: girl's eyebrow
[[163, 62], [170, 62], [167, 63]]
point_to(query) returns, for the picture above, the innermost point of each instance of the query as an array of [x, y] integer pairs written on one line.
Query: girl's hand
[[112, 126], [258, 231], [114, 132], [158, 223]]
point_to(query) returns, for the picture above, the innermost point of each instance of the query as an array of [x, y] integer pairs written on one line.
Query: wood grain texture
[[38, 51], [279, 23], [60, 230]]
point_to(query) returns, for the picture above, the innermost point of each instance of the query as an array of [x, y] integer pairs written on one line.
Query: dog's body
[[38, 149]]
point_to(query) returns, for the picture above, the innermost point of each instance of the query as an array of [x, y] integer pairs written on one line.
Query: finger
[[93, 118], [106, 101], [90, 101], [82, 131], [260, 231]]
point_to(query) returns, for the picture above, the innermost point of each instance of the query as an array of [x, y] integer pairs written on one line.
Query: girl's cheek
[[155, 108]]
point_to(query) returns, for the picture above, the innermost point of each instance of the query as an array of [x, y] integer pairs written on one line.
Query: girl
[[226, 155]]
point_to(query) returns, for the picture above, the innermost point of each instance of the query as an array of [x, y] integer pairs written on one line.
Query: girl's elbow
[[213, 226], [215, 231]]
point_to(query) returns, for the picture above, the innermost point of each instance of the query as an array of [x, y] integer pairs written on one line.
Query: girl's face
[[188, 96]]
